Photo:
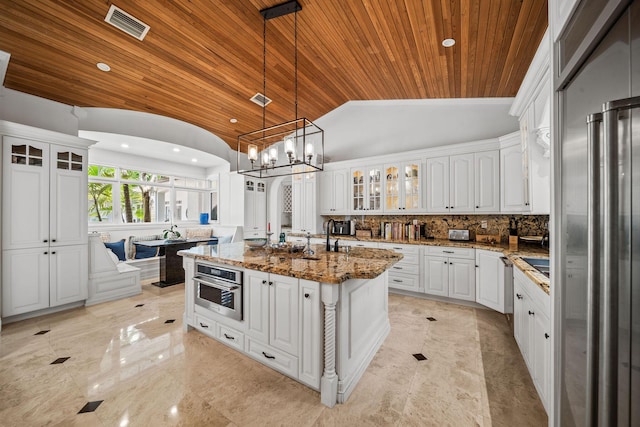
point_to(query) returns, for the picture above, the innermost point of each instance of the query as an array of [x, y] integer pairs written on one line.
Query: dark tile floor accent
[[420, 356], [170, 321], [90, 406], [431, 319], [139, 305], [60, 360], [42, 332]]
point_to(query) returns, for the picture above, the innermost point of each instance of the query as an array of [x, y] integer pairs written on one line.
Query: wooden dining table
[[171, 271]]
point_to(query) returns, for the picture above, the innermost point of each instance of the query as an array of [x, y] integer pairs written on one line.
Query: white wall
[[39, 112]]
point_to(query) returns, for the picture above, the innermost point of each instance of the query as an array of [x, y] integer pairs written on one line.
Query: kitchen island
[[318, 319]]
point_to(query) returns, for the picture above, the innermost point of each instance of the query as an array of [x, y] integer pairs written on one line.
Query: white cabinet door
[[436, 272], [462, 279], [68, 274], [250, 205], [511, 183], [437, 185], [402, 187], [25, 194], [487, 181], [68, 198], [257, 304], [310, 333], [489, 287], [255, 207], [25, 280], [333, 192], [260, 218], [283, 313], [520, 318], [461, 186], [542, 355], [304, 203]]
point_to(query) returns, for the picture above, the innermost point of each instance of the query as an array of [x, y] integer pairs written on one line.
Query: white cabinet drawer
[[451, 252], [405, 268], [275, 359], [537, 295], [231, 337], [403, 281], [403, 249], [205, 325]]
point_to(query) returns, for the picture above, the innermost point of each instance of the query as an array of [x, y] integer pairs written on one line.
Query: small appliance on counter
[[461, 235], [342, 228]]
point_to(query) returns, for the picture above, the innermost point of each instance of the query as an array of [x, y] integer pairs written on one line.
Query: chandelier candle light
[[300, 140]]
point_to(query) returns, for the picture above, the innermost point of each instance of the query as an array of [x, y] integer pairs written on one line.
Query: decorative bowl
[[256, 242]]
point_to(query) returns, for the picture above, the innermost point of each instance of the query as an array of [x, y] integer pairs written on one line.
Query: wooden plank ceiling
[[202, 60]]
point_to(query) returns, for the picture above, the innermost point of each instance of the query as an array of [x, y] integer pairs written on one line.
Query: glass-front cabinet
[[366, 189], [402, 187]]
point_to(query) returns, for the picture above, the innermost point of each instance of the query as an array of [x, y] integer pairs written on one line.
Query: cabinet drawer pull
[[204, 326], [449, 252], [398, 249], [397, 281], [306, 295], [546, 335], [398, 268], [229, 337], [518, 296], [531, 313], [45, 241], [46, 253], [268, 356], [53, 240], [53, 253]]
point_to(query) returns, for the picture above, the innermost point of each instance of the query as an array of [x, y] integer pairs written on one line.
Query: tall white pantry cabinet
[[44, 219]]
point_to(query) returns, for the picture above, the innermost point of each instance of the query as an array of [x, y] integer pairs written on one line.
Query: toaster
[[458, 234]]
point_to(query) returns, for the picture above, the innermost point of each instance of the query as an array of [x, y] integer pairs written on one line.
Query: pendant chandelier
[[287, 148]]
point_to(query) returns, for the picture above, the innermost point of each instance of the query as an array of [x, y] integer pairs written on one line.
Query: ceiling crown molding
[[4, 63], [537, 71]]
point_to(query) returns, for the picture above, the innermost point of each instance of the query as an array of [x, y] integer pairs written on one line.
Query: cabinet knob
[[445, 262], [531, 313], [264, 282], [451, 207], [477, 207], [46, 253], [53, 253], [270, 283], [53, 240], [518, 296], [546, 335], [306, 295]]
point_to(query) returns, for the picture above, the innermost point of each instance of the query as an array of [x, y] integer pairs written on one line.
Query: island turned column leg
[[329, 380]]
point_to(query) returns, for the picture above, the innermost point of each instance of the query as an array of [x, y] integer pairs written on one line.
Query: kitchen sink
[[540, 264]]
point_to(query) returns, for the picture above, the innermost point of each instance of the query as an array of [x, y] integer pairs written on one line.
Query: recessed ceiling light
[[448, 42], [103, 67], [233, 120], [176, 149], [194, 160], [124, 145]]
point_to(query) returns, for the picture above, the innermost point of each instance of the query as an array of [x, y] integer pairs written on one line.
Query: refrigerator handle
[[608, 356], [593, 267]]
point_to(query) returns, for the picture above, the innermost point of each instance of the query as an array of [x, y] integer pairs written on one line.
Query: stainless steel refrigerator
[[597, 300]]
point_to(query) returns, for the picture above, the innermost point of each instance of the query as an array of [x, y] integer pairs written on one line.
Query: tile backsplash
[[438, 225]]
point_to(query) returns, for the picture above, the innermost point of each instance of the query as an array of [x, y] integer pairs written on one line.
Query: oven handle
[[216, 284]]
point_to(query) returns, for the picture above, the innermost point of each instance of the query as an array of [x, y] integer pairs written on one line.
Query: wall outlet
[[483, 224]]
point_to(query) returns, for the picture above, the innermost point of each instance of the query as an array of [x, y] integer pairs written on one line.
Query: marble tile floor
[[122, 364]]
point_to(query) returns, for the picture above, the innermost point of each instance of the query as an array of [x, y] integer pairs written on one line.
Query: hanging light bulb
[[290, 148], [273, 155], [308, 151], [252, 153], [265, 159]]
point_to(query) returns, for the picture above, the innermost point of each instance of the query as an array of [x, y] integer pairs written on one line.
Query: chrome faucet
[[328, 233]]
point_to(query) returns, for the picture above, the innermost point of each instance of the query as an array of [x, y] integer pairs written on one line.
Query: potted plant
[[170, 233]]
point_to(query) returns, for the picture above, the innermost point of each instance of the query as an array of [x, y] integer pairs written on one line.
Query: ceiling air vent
[[127, 23], [260, 99]]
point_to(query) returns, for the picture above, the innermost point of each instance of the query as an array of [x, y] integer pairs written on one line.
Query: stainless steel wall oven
[[219, 289]]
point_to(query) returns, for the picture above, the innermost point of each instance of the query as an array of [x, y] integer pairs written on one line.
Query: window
[[142, 196]]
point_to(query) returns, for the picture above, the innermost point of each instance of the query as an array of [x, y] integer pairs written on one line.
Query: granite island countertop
[[524, 250], [326, 267]]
